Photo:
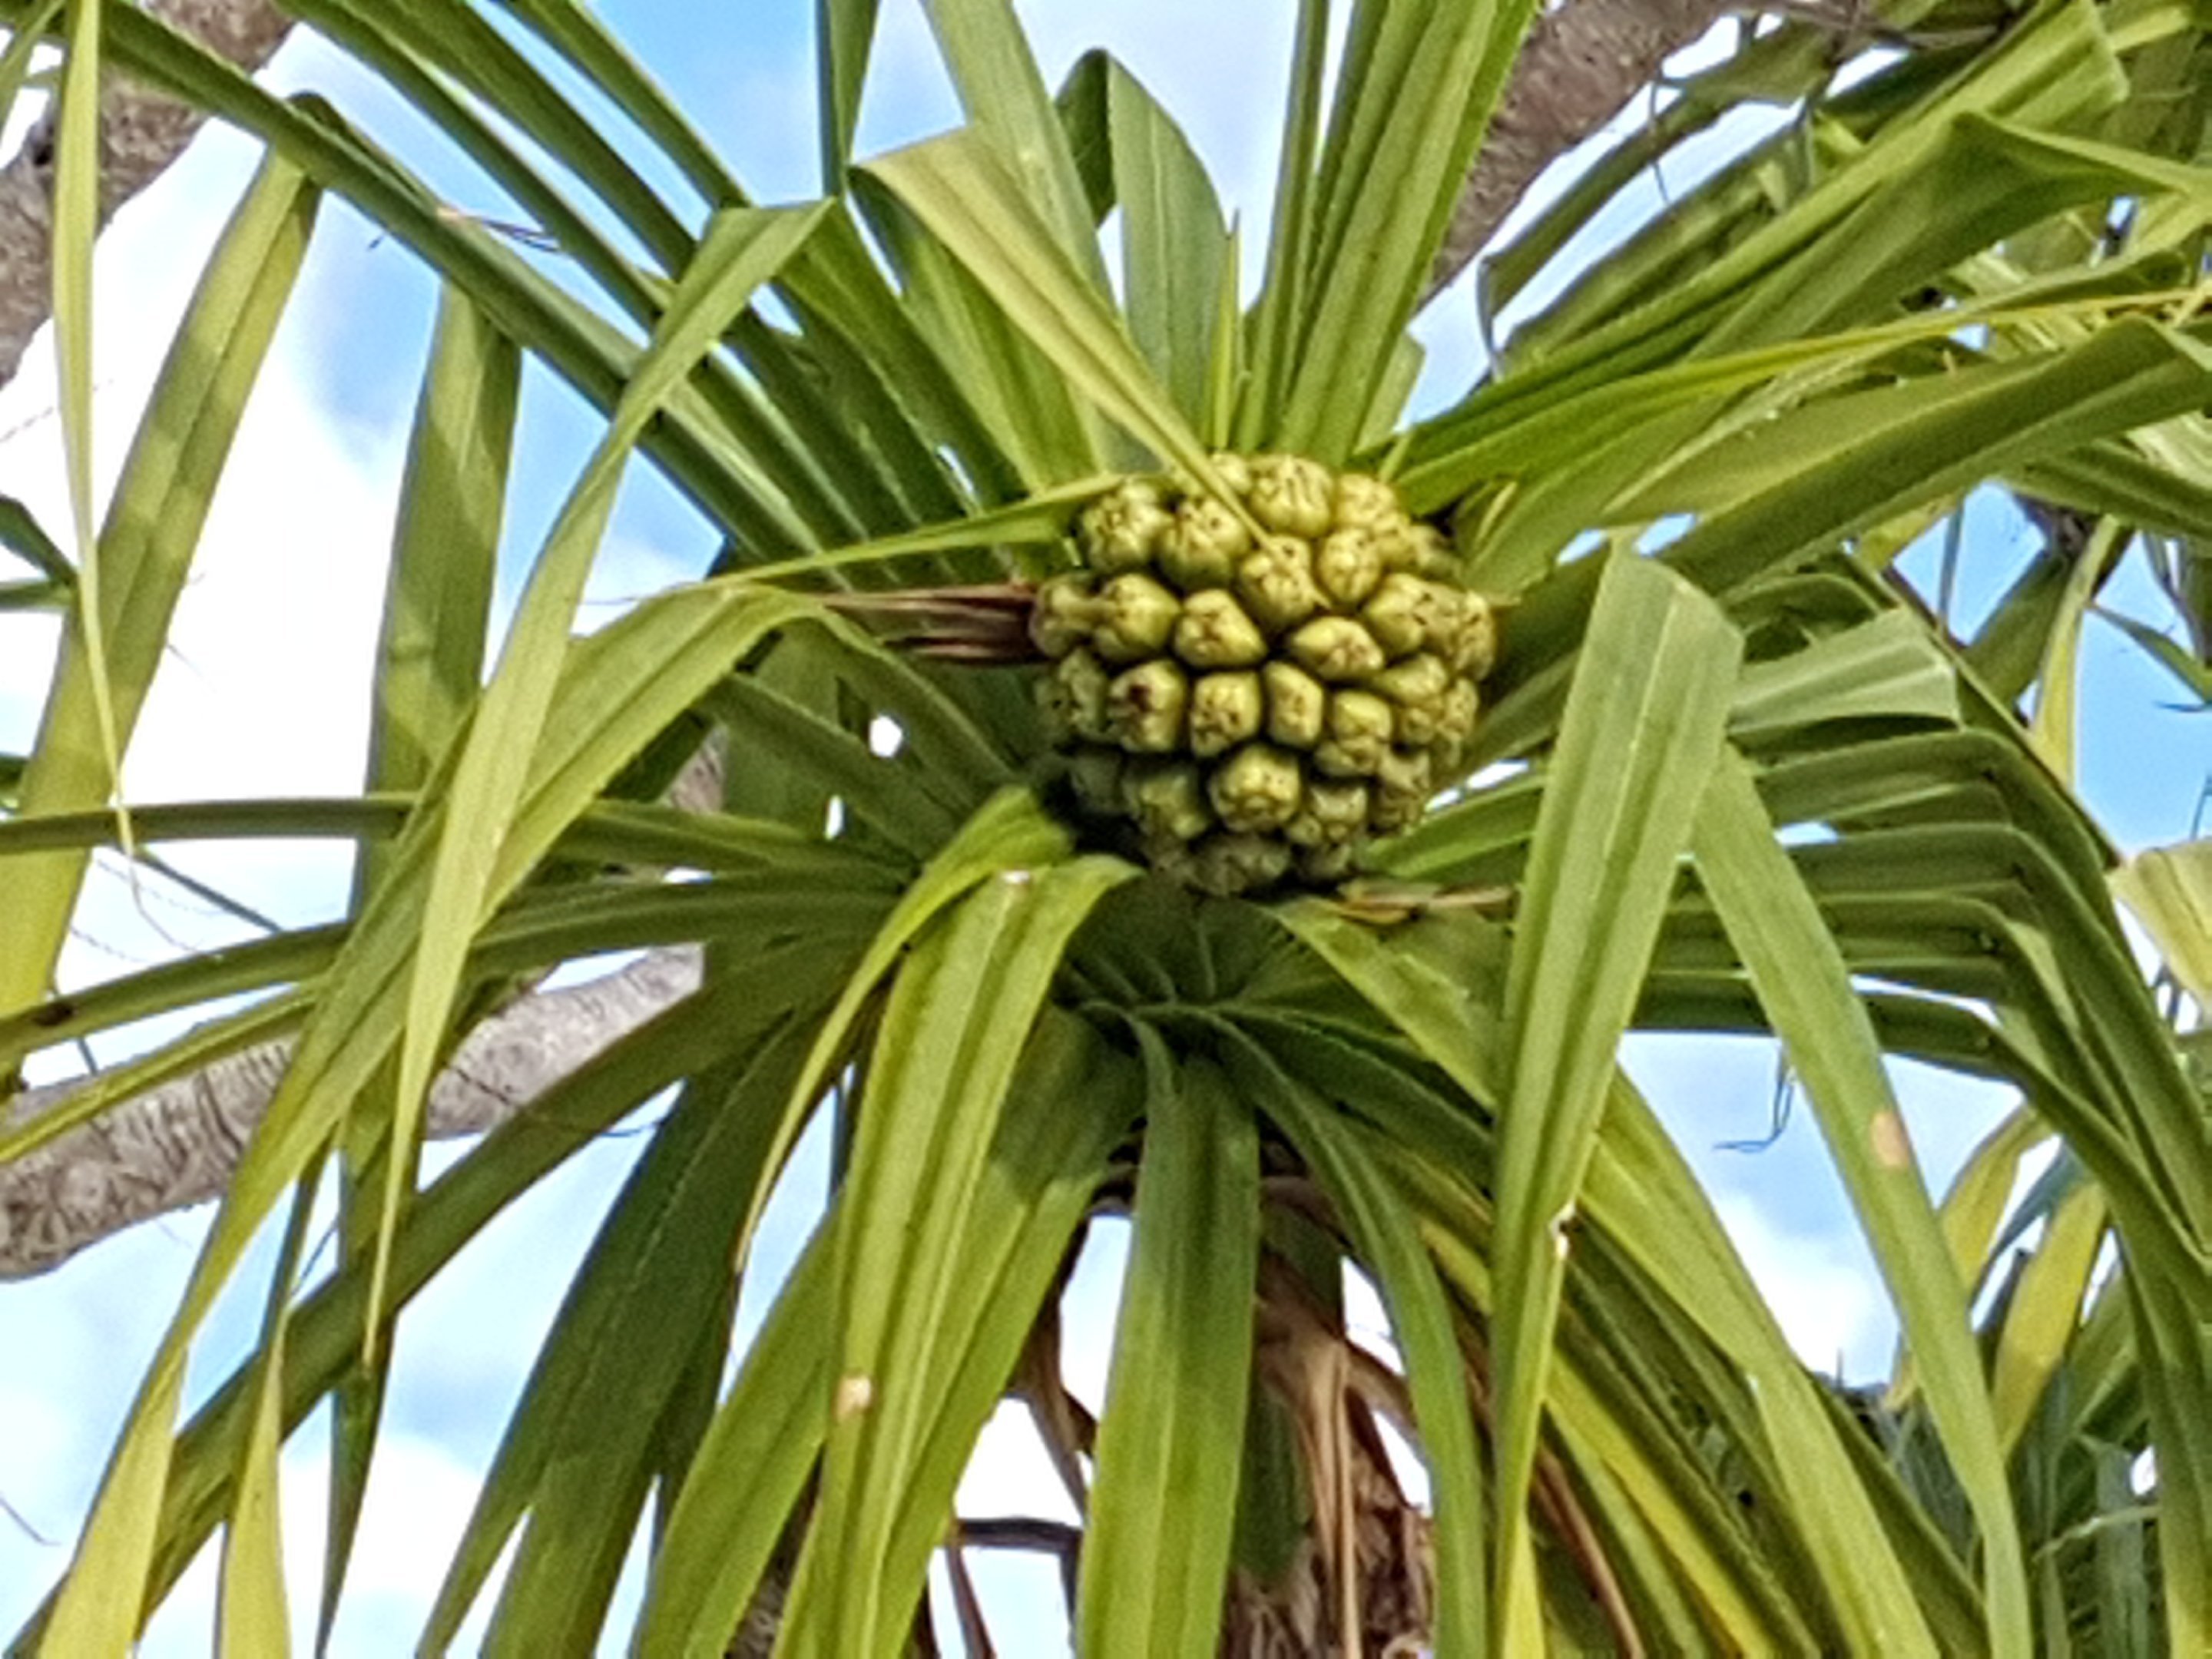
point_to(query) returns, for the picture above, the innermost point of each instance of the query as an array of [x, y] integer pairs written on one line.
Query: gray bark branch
[[140, 133], [1580, 64], [179, 1144]]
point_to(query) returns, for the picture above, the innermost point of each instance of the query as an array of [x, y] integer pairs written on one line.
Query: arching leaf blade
[[1162, 1509], [1643, 726], [1410, 108], [1805, 988], [326, 1330], [749, 1473], [2126, 375], [1009, 832], [430, 668], [742, 249], [22, 535], [958, 187], [1646, 1199], [453, 497], [698, 631], [98, 1608], [1279, 312], [584, 41], [1040, 1181], [923, 1193], [1009, 108], [1175, 247], [147, 544], [578, 1459], [252, 1620]]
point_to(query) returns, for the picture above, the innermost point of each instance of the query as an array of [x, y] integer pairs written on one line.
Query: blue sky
[[264, 693]]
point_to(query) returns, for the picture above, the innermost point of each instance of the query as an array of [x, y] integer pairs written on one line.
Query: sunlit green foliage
[[1981, 262]]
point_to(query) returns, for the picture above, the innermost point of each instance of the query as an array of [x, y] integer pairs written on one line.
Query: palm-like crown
[[1263, 927]]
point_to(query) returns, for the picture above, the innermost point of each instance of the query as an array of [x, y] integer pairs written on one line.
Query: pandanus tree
[[1146, 775]]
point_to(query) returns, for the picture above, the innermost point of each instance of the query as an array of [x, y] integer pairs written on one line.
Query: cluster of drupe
[[1257, 686]]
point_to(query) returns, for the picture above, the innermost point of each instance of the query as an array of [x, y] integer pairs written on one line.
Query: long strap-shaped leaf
[[1805, 988], [750, 1470], [2045, 1311], [894, 369], [937, 1103], [1175, 248], [537, 313], [741, 249], [453, 500], [1976, 1203], [772, 441], [752, 1463], [577, 1456], [2130, 374], [1484, 437], [252, 1619], [75, 208], [1643, 727], [2169, 888], [460, 48], [1647, 1201], [429, 667], [23, 535], [847, 30], [1010, 833], [624, 685], [1276, 315], [146, 546], [324, 1336], [2173, 1341], [2058, 67], [25, 38], [1164, 1502], [1411, 109], [1654, 1206], [606, 832], [965, 195], [1005, 101], [585, 43], [1037, 518]]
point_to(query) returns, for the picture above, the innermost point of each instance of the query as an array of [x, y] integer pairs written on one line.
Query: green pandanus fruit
[[1242, 692]]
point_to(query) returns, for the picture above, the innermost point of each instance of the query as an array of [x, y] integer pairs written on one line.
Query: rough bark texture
[[1582, 64], [179, 1144], [141, 133]]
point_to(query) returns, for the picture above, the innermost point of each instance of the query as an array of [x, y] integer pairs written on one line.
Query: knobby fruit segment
[[1247, 692]]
